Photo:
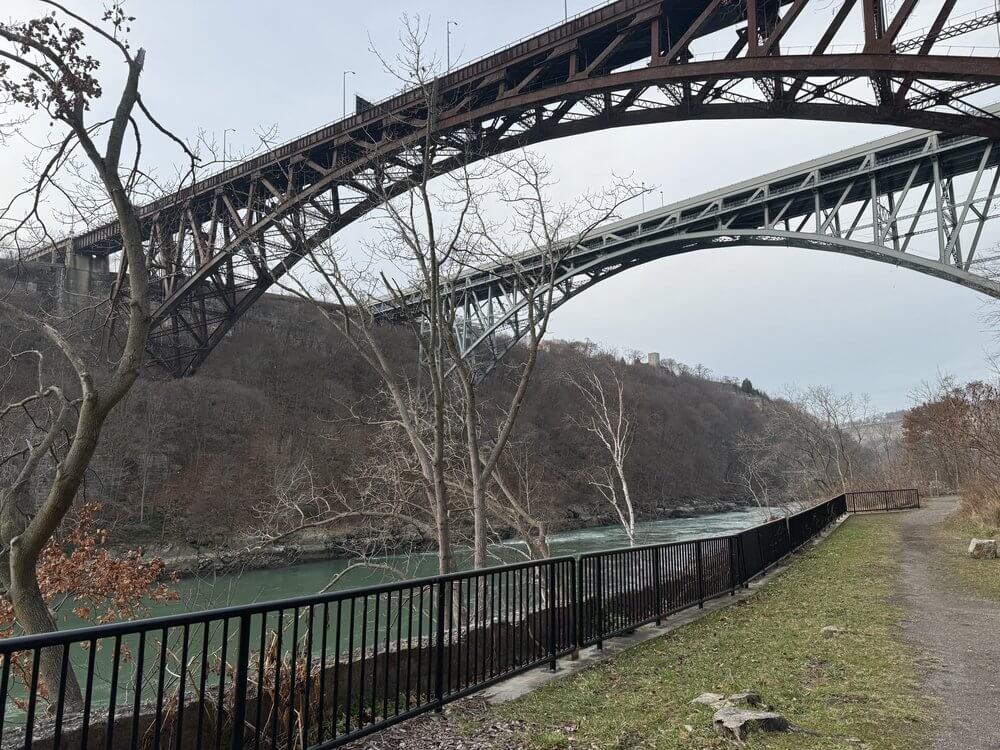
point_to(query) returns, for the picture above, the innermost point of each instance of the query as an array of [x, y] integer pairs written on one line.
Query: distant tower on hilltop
[[654, 359]]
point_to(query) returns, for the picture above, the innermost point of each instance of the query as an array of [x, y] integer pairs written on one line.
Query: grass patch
[[981, 577], [859, 685]]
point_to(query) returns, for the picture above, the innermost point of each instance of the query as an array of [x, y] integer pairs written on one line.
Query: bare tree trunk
[[446, 560], [629, 520], [42, 49], [479, 530], [34, 616]]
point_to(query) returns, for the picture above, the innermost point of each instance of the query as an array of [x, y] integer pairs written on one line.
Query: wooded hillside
[[188, 459]]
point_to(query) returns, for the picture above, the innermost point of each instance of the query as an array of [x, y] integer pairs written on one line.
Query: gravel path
[[959, 632]]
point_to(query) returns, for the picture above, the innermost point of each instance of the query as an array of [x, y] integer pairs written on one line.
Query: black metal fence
[[872, 501], [320, 671]]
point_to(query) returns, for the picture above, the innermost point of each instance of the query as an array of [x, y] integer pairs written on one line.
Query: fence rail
[[872, 501], [317, 672]]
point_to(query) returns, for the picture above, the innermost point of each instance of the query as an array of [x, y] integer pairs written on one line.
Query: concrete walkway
[[958, 631]]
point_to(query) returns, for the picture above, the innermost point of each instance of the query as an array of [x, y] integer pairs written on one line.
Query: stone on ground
[[831, 631], [983, 549], [713, 700], [737, 723], [745, 698]]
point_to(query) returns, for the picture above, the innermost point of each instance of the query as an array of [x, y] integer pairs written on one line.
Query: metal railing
[[319, 671], [871, 501]]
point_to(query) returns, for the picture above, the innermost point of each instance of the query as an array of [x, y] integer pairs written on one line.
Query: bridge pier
[[61, 281], [85, 274]]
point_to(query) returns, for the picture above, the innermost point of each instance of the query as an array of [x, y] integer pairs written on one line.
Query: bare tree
[[758, 455], [382, 497], [957, 428], [45, 70], [605, 416], [520, 500], [842, 418], [431, 238]]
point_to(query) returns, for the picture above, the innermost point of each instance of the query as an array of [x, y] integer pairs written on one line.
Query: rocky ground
[[467, 725]]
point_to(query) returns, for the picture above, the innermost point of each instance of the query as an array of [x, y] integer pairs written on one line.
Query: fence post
[[657, 590], [732, 566], [760, 551], [742, 578], [552, 616], [576, 584], [701, 585], [599, 593], [240, 683], [439, 665]]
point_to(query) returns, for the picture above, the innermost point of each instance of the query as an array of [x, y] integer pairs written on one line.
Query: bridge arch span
[[503, 332]]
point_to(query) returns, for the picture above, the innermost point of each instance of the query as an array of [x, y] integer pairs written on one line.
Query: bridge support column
[[86, 274], [81, 279]]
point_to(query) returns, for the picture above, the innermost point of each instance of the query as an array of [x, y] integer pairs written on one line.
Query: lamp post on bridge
[[225, 152], [344, 88], [448, 44]]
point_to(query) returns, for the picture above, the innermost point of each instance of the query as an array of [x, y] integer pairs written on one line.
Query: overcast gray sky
[[778, 316]]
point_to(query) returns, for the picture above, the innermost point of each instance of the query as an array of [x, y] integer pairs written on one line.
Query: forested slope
[[188, 460]]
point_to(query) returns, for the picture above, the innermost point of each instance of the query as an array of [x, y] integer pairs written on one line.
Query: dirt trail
[[959, 632]]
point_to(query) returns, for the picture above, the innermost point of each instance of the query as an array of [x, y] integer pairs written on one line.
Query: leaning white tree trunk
[[607, 419]]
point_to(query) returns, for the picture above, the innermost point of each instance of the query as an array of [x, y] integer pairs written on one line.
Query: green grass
[[859, 685], [981, 577]]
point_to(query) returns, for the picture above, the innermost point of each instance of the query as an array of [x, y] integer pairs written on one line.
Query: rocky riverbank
[[187, 560]]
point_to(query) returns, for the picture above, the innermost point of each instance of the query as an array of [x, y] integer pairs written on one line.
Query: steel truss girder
[[896, 201], [217, 246], [501, 334]]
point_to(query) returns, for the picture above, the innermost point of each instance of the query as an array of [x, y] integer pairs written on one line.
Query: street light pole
[[225, 151], [566, 9], [344, 86], [448, 43]]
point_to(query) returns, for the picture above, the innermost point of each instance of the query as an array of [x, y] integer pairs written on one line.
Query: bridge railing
[[384, 106], [320, 671], [872, 501]]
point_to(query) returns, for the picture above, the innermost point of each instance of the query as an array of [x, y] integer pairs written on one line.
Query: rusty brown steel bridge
[[217, 246]]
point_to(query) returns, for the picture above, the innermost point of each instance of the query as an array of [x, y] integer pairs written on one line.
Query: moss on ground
[[980, 577], [860, 685]]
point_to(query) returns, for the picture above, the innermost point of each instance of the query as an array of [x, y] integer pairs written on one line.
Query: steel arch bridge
[[217, 246], [920, 200]]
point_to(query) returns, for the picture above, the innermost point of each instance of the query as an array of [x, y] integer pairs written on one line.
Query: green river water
[[308, 578]]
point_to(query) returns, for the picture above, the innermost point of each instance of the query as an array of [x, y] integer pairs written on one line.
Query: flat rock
[[831, 631], [745, 699], [714, 700], [983, 549], [737, 723]]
